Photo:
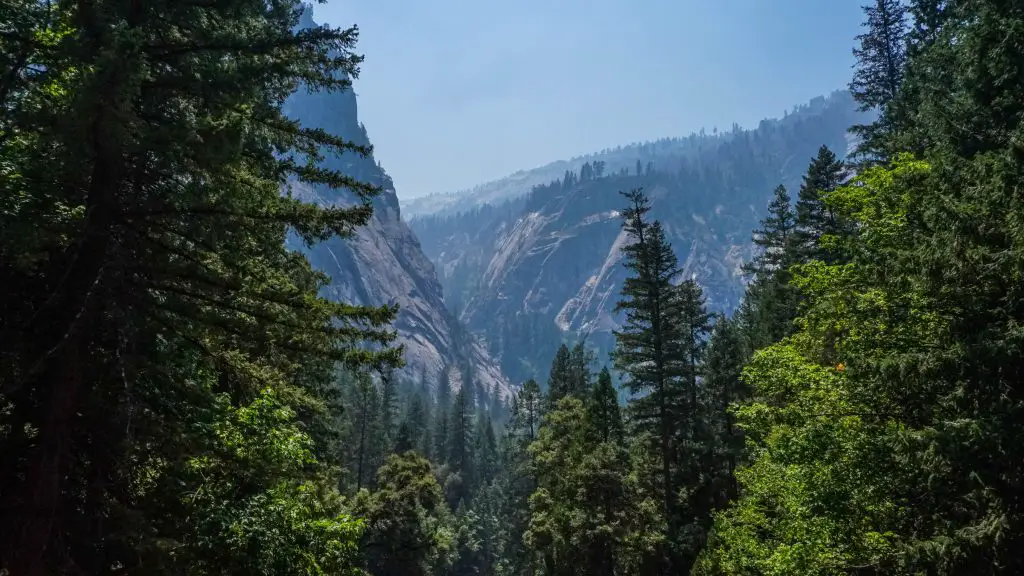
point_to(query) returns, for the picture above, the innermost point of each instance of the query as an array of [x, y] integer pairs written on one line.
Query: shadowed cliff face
[[548, 265], [383, 262]]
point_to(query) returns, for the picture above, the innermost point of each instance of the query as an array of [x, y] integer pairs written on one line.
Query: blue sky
[[458, 92]]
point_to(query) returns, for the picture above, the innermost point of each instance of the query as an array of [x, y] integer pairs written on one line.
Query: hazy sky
[[458, 92]]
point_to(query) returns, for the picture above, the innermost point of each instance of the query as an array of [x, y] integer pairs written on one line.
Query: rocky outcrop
[[547, 266], [383, 262]]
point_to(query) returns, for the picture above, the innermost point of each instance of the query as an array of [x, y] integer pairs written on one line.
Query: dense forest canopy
[[176, 397]]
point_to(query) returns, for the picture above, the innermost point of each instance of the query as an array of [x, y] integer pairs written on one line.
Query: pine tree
[[927, 17], [603, 410], [881, 63], [580, 375], [403, 439], [485, 451], [154, 322], [403, 518], [419, 426], [651, 348], [814, 218], [560, 376], [694, 442], [770, 303], [460, 445], [388, 408], [441, 419], [775, 237], [723, 387], [516, 481], [365, 428]]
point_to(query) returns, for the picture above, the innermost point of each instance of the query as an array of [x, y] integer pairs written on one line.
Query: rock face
[[546, 265], [383, 262]]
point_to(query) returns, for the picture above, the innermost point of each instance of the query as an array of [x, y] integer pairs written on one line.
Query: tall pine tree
[[651, 349], [881, 63]]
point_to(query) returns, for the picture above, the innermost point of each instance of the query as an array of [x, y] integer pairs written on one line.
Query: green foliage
[[814, 218], [254, 509], [578, 513], [160, 339], [881, 65], [408, 526]]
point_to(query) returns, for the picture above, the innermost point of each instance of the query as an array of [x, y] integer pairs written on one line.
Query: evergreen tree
[[605, 417], [652, 350], [407, 519], [165, 353], [580, 375], [460, 447], [774, 238], [365, 428], [927, 17], [724, 388], [388, 407], [516, 480], [441, 420], [694, 442], [881, 64], [485, 451], [418, 422], [814, 218], [560, 376], [403, 439], [770, 302]]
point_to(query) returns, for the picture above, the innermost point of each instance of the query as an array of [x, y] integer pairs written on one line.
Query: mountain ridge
[[521, 181], [542, 266]]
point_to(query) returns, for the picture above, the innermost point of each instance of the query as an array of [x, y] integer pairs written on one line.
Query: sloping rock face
[[548, 266], [383, 262]]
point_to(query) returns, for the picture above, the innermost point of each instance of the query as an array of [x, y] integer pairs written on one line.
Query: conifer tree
[[460, 445], [419, 426], [881, 64], [603, 411], [927, 18], [517, 480], [814, 218], [403, 439], [651, 348], [365, 430], [694, 442], [441, 419], [775, 237], [155, 325], [723, 388], [485, 451], [388, 408], [580, 375], [559, 378], [770, 303]]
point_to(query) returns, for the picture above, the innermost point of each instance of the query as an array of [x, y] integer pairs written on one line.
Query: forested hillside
[[180, 394], [547, 267], [665, 152]]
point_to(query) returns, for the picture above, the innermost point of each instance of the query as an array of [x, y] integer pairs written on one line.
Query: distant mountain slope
[[383, 263], [535, 269], [664, 152]]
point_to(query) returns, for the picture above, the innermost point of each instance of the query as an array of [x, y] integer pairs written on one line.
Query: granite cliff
[[383, 262], [527, 268]]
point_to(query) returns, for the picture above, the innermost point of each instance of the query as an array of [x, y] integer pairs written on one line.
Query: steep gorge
[[525, 269]]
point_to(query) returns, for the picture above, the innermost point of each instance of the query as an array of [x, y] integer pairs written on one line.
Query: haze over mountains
[[535, 258], [492, 279]]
